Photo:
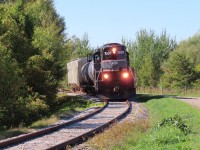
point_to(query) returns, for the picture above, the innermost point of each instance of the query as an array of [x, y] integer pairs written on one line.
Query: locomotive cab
[[113, 75], [108, 72]]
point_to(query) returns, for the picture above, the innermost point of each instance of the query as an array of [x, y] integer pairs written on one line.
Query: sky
[[109, 20]]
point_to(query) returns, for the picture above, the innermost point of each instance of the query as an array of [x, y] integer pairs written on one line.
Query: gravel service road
[[194, 101]]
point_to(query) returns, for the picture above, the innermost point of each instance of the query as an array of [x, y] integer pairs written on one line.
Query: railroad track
[[69, 133]]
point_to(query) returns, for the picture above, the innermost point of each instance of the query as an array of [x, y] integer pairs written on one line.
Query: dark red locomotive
[[108, 72]]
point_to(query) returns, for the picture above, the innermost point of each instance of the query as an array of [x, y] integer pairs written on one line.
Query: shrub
[[176, 121]]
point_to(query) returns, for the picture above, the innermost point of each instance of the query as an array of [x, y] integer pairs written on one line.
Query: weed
[[44, 122], [13, 132], [178, 122], [115, 136], [168, 134]]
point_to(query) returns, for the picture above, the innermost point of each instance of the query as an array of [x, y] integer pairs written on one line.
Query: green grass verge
[[174, 124], [13, 132], [189, 92]]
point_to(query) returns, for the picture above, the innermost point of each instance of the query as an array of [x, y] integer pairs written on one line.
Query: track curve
[[72, 133]]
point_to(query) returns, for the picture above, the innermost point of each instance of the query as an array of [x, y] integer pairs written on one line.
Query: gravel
[[77, 129]]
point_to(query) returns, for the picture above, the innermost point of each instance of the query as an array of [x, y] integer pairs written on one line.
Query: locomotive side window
[[97, 58], [114, 53]]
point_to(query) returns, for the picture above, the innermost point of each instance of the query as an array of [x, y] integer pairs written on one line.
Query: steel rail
[[21, 138], [91, 133]]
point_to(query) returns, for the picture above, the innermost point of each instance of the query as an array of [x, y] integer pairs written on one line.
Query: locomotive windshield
[[114, 53]]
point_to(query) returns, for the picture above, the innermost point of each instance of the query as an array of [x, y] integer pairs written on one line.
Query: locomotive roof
[[110, 45]]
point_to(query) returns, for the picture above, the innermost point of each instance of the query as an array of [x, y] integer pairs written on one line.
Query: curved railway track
[[69, 133]]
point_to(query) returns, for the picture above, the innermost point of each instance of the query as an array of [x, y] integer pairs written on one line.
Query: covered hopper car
[[106, 72]]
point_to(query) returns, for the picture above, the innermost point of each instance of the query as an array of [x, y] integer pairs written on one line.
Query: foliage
[[177, 121], [32, 55], [1, 118], [179, 71], [191, 49], [36, 107], [42, 76], [147, 54], [78, 47], [11, 85], [44, 69], [12, 30]]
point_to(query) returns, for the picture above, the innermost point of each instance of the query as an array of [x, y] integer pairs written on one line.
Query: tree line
[[34, 50], [159, 61]]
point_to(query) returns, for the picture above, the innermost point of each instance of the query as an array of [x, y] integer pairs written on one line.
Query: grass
[[64, 106], [13, 132], [193, 92], [117, 134], [173, 125], [44, 122]]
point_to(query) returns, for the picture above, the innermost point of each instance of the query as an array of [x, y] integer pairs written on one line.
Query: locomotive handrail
[[97, 77]]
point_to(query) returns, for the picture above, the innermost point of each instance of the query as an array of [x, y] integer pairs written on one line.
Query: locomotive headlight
[[106, 76], [125, 75], [114, 50]]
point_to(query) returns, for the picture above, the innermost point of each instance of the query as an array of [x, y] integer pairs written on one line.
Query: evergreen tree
[[190, 49], [179, 71], [45, 68]]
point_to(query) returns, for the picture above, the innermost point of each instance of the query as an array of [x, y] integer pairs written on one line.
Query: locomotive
[[105, 72]]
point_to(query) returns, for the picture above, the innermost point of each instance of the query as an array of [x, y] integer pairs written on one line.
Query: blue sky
[[109, 20]]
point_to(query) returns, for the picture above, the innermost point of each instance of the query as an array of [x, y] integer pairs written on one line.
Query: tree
[[79, 47], [11, 84], [178, 71], [32, 44], [48, 41], [190, 48], [12, 33], [147, 53]]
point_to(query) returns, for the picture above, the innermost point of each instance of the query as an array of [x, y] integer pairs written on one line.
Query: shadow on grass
[[142, 98], [70, 102], [11, 133]]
